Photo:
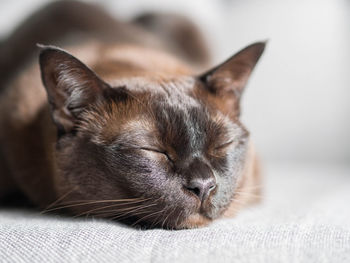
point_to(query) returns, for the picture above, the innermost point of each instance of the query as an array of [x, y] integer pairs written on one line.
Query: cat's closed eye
[[221, 149], [224, 145], [157, 151]]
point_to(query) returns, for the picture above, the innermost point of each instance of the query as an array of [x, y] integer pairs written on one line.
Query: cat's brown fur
[[28, 161]]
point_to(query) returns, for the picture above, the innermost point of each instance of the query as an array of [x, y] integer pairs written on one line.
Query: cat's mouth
[[175, 217], [194, 221], [199, 216], [196, 213]]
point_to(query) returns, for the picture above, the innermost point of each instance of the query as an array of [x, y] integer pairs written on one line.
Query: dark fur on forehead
[[174, 110]]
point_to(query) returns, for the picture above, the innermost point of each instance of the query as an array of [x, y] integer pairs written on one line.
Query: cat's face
[[165, 153]]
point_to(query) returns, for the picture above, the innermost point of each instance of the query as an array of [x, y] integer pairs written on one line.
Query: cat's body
[[152, 107]]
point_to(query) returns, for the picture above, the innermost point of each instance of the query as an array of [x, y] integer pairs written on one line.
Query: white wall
[[297, 102]]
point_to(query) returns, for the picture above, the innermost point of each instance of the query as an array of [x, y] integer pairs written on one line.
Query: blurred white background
[[297, 102]]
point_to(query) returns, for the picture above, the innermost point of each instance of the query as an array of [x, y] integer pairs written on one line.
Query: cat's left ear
[[71, 86], [229, 78]]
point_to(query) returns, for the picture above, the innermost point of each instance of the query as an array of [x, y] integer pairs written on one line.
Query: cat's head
[[164, 152]]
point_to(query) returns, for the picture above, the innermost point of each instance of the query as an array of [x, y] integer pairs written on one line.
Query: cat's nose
[[201, 187]]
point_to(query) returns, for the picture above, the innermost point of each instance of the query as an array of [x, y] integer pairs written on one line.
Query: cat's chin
[[195, 221]]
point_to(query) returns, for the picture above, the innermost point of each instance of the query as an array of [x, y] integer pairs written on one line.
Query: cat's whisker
[[178, 217], [132, 213], [60, 198], [106, 200], [158, 219], [167, 224], [114, 211], [147, 216], [129, 214], [134, 210], [109, 206], [111, 213], [122, 216], [120, 201], [163, 221], [126, 215], [125, 211], [167, 217]]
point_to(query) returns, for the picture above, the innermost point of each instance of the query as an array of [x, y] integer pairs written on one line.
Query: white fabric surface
[[304, 218]]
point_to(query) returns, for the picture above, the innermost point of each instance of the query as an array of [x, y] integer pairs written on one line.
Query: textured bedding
[[305, 217]]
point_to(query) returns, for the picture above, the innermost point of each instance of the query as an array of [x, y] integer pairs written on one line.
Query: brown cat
[[126, 128]]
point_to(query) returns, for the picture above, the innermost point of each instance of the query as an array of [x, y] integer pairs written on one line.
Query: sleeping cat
[[120, 124]]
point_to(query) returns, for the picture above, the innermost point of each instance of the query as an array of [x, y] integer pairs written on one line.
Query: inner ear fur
[[232, 76]]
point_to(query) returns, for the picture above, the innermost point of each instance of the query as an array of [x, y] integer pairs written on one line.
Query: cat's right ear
[[228, 80], [71, 86]]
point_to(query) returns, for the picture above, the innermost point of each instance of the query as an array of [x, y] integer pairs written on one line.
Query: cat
[[120, 124]]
